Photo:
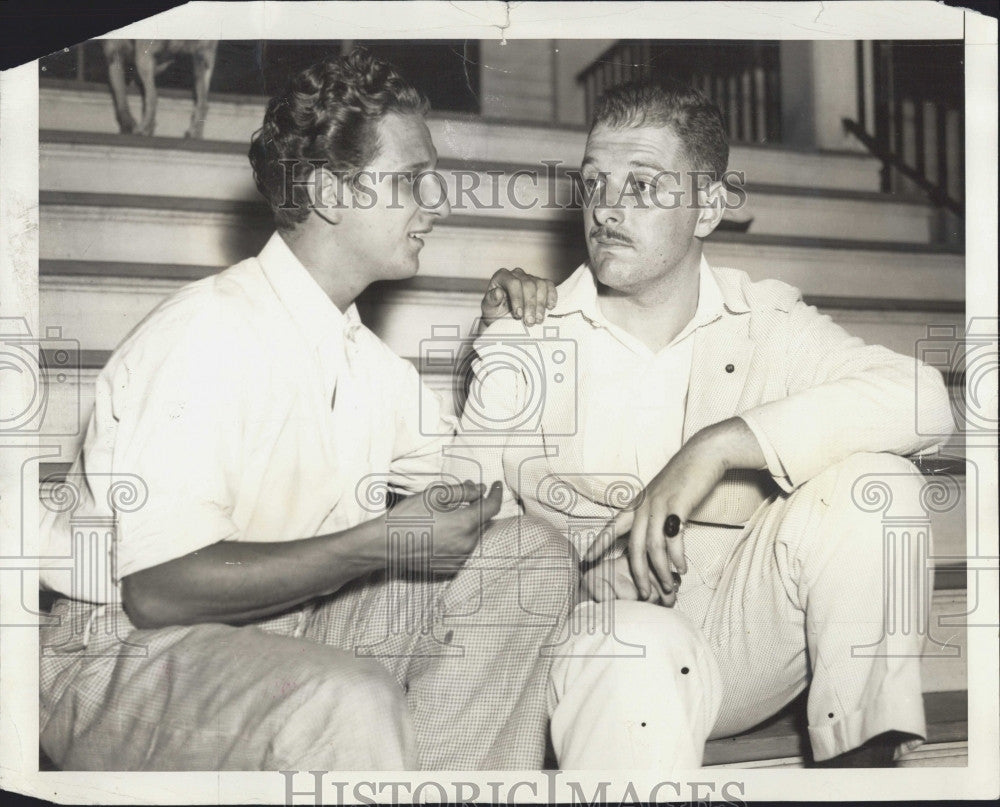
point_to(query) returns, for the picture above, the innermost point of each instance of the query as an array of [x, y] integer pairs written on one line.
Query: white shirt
[[634, 399], [246, 407], [608, 411]]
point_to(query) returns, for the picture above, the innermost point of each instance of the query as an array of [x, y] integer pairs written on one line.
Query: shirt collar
[[578, 294], [710, 303], [307, 304]]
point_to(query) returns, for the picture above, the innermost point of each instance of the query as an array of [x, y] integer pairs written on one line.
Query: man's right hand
[[458, 514], [611, 578], [236, 582], [523, 296]]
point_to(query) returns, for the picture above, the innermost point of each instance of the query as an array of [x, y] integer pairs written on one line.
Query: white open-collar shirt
[[631, 398], [610, 411], [246, 407]]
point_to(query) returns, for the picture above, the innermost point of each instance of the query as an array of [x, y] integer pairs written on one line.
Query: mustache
[[608, 234]]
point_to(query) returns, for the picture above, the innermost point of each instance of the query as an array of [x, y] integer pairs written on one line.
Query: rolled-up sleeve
[[424, 429], [845, 397], [774, 465], [181, 413]]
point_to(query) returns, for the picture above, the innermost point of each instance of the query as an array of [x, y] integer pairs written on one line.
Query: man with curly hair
[[261, 609]]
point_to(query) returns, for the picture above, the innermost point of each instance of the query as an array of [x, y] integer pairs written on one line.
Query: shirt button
[[730, 368]]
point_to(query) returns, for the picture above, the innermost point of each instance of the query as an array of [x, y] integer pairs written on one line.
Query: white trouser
[[795, 598], [619, 710]]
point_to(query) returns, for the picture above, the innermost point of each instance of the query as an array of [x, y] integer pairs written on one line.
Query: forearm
[[656, 532], [240, 581], [731, 444]]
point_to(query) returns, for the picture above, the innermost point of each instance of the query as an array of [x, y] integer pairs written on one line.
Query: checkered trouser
[[467, 655]]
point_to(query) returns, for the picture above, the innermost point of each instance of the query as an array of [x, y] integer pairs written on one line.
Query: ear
[[711, 208], [326, 194]]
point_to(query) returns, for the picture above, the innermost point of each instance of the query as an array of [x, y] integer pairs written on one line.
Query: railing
[[911, 117], [742, 78]]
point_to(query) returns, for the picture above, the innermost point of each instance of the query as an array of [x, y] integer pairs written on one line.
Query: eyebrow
[[650, 165], [429, 163], [632, 164]]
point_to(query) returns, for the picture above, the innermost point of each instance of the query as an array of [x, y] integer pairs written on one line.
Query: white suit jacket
[[815, 394]]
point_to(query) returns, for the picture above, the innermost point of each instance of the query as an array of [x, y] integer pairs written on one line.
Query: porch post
[[819, 87]]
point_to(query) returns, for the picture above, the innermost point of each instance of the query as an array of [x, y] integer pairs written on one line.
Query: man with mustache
[[258, 608], [742, 420]]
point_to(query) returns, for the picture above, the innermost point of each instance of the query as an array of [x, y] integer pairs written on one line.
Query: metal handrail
[[936, 194]]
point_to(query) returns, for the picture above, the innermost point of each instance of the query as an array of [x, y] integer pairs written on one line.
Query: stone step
[[97, 304], [930, 755], [175, 231], [97, 163], [781, 742], [78, 107]]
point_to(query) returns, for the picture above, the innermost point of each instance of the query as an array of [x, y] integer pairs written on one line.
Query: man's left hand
[[519, 294], [677, 490]]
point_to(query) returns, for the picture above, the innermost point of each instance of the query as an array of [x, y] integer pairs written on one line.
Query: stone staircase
[[127, 220]]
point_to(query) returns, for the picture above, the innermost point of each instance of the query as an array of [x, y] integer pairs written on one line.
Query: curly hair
[[330, 112], [690, 115]]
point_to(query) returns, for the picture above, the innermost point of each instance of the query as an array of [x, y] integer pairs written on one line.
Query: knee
[[630, 646], [856, 498], [370, 693], [540, 539], [626, 627], [366, 696], [879, 464], [361, 690], [351, 719], [860, 477], [866, 487], [664, 633]]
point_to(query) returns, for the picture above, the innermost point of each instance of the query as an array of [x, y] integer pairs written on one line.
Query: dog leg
[[145, 66], [116, 78], [204, 62]]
